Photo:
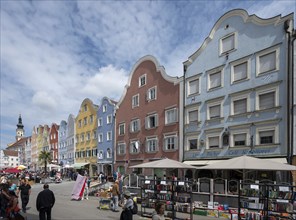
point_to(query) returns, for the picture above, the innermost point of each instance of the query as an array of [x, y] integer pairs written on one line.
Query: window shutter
[[156, 120], [146, 122], [240, 106], [193, 86], [215, 80], [267, 62], [240, 137], [267, 100], [215, 111], [193, 116], [227, 43], [240, 71], [214, 142]]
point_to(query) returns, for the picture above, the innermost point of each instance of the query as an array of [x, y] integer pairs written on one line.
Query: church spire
[[19, 129]]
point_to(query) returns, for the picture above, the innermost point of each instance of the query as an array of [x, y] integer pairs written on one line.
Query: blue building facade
[[105, 135], [235, 92], [70, 140], [62, 144]]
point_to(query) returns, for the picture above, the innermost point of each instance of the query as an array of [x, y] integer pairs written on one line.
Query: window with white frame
[[121, 129], [227, 43], [192, 143], [171, 116], [151, 121], [135, 101], [121, 148], [94, 134], [142, 80], [213, 142], [100, 156], [135, 125], [91, 119], [215, 80], [192, 115], [267, 98], [88, 136], [109, 136], [151, 144], [135, 147], [151, 94], [240, 139], [100, 122], [214, 111], [267, 135], [104, 108], [193, 86], [100, 139], [240, 104], [109, 119], [240, 70], [109, 153], [170, 142], [267, 60]]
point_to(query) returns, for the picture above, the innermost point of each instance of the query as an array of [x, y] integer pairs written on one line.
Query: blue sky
[[56, 53]]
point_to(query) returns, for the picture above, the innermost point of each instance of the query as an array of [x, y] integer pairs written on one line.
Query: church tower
[[20, 132]]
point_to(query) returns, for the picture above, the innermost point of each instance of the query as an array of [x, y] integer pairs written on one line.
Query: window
[[267, 100], [151, 94], [214, 142], [192, 143], [240, 70], [135, 101], [109, 119], [151, 144], [240, 139], [85, 121], [88, 136], [100, 122], [266, 137], [121, 129], [85, 107], [82, 137], [100, 156], [170, 142], [109, 136], [151, 121], [104, 108], [109, 153], [215, 80], [192, 116], [79, 124], [121, 148], [193, 86], [100, 140], [91, 119], [142, 80], [135, 147], [227, 43], [135, 125], [214, 111], [171, 116], [240, 106]]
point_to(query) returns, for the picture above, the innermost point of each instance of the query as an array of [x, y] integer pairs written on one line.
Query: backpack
[[135, 208]]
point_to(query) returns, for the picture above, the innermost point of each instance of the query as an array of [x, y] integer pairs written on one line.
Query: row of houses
[[236, 97]]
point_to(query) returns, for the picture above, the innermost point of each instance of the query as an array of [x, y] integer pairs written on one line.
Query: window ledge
[[276, 108], [214, 119], [246, 114], [172, 123], [165, 150]]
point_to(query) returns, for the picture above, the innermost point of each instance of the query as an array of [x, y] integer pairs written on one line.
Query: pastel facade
[[85, 128], [71, 139], [62, 143], [34, 150], [105, 135], [148, 117], [234, 88]]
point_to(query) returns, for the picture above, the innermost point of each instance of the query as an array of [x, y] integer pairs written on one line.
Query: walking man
[[25, 190], [44, 203]]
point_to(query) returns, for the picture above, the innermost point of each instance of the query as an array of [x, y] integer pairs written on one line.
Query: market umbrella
[[249, 163], [165, 164], [21, 167], [12, 170]]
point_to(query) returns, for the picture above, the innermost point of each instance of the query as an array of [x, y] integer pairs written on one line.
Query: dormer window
[[227, 44]]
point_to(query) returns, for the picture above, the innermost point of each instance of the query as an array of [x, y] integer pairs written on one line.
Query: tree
[[44, 158]]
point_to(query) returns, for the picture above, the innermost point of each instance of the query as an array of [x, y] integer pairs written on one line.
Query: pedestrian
[[86, 188], [158, 214], [126, 213], [115, 196], [25, 190], [13, 208], [44, 202]]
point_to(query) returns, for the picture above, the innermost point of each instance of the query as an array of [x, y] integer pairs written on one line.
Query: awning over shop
[[79, 165]]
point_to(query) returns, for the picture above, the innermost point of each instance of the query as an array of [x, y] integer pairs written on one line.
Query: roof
[[20, 142], [11, 153]]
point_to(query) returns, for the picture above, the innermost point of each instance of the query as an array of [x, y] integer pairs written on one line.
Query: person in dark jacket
[[44, 203], [25, 190]]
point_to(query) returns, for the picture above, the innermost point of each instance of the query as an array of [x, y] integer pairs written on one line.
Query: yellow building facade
[[86, 136]]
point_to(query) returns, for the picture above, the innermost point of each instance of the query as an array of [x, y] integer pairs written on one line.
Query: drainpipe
[[184, 93]]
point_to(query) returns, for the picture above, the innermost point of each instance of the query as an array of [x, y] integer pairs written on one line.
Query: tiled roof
[[11, 153], [20, 142]]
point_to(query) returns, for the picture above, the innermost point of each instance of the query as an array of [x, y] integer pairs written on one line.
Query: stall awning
[[79, 165]]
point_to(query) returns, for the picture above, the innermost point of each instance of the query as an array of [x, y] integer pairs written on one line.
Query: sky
[[56, 53]]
